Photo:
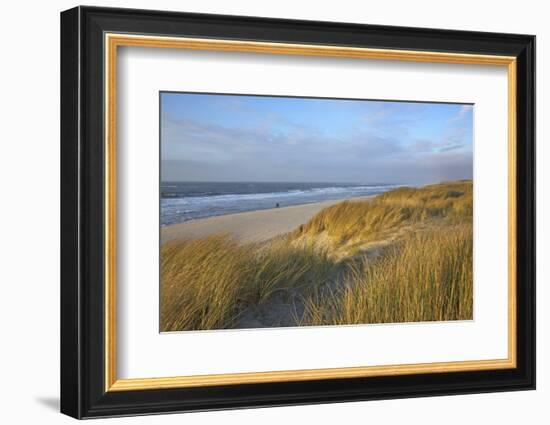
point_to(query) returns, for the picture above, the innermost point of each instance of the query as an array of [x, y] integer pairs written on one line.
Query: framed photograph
[[261, 212]]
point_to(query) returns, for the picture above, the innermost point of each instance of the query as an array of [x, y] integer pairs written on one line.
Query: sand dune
[[326, 272], [248, 226]]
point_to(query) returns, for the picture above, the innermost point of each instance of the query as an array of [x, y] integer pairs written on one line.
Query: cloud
[[400, 143], [462, 113]]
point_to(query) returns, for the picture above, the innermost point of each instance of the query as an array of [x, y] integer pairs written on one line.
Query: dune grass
[[207, 283], [371, 220], [425, 277], [423, 272]]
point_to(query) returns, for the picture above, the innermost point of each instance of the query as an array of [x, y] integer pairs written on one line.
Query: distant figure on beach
[[277, 205]]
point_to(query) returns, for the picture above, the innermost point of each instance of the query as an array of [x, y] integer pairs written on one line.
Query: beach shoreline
[[250, 226]]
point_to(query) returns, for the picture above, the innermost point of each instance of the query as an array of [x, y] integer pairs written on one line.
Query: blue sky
[[207, 137]]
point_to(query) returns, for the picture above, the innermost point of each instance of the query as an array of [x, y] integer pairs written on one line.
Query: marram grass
[[207, 283], [390, 214], [425, 277], [404, 256]]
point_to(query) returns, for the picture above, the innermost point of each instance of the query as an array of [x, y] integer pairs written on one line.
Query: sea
[[184, 201]]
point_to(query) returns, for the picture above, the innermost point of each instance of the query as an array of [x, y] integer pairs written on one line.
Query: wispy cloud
[[463, 112], [243, 139]]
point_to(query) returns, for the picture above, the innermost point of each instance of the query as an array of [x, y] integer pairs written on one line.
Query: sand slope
[[248, 226]]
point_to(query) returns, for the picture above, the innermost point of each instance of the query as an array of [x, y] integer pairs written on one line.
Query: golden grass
[[423, 271], [426, 277], [371, 220], [207, 283]]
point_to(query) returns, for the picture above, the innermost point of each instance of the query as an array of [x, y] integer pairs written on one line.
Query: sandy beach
[[250, 226]]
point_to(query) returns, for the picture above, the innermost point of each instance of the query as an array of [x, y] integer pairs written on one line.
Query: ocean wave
[[265, 195], [184, 208]]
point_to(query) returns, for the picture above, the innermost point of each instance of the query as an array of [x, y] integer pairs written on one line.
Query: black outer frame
[[82, 219]]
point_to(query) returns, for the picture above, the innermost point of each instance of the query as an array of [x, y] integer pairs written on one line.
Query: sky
[[212, 137]]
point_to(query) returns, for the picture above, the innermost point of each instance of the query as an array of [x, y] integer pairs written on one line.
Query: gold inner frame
[[113, 41]]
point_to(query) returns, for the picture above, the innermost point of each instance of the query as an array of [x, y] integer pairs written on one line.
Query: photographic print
[[292, 211]]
